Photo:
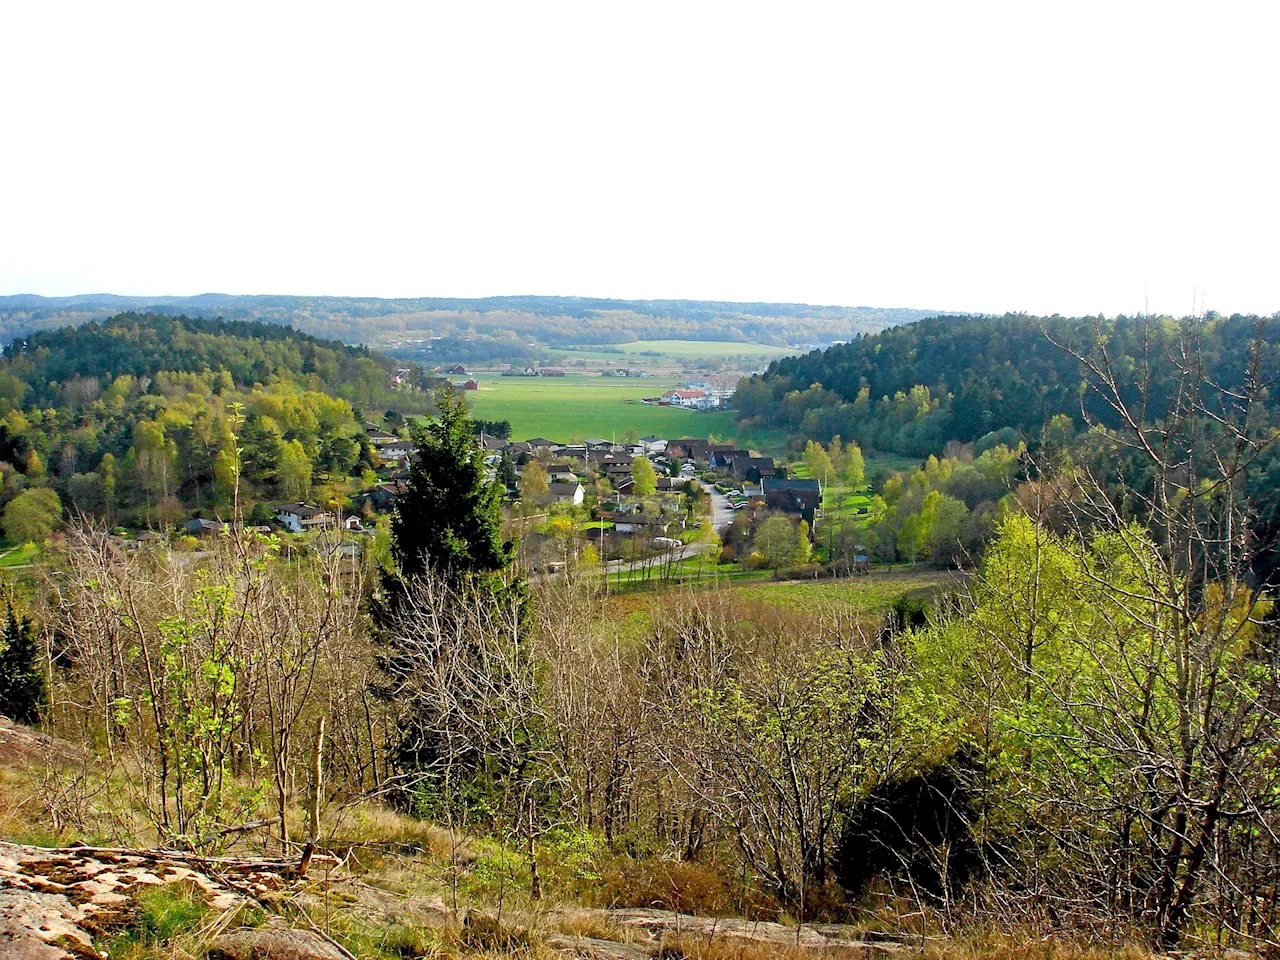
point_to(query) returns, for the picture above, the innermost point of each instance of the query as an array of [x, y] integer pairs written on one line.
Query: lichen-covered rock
[[274, 940], [53, 903]]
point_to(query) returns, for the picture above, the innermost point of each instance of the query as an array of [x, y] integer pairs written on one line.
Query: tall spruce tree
[[448, 520], [447, 528], [22, 687]]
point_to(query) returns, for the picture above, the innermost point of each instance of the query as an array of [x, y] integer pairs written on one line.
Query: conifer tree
[[448, 520], [22, 687], [448, 556]]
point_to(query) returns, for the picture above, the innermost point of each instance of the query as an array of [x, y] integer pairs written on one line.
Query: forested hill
[[913, 388], [143, 345], [143, 418], [549, 321]]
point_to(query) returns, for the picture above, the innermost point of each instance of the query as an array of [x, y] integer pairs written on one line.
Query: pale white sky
[[1023, 156]]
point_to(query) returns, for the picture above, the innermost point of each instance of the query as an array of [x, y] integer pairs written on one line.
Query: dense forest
[[145, 417], [508, 324], [914, 388]]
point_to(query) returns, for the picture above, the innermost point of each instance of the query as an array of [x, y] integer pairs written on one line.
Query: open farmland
[[577, 406]]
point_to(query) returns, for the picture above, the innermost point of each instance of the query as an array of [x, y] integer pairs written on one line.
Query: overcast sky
[[1064, 157]]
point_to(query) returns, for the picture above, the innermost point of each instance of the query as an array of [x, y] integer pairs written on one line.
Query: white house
[[298, 517], [399, 452], [566, 492], [685, 398]]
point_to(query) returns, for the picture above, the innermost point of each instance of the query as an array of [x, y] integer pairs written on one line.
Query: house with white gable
[[302, 517]]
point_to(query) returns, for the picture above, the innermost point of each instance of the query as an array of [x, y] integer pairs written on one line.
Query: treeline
[[147, 417], [559, 321], [913, 388]]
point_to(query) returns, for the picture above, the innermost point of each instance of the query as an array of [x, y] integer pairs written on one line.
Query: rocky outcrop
[[275, 940], [22, 745], [593, 948], [656, 925], [54, 903]]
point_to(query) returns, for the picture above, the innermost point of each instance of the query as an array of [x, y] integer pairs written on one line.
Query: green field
[[575, 407]]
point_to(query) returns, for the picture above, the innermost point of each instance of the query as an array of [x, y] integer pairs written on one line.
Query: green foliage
[[32, 515], [533, 482], [776, 541], [645, 477], [912, 388], [146, 418], [294, 471], [22, 680], [449, 519], [818, 463]]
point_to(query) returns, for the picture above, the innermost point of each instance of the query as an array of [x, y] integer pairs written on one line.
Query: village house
[[793, 496], [300, 517], [382, 496], [684, 398], [566, 492], [399, 452], [200, 527], [551, 372], [561, 473]]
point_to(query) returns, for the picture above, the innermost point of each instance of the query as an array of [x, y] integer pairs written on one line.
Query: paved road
[[721, 511], [681, 553], [721, 517]]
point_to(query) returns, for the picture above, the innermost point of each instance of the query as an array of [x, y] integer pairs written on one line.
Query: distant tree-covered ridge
[[914, 388], [510, 323]]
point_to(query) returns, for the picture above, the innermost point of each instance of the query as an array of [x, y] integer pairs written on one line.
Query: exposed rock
[[591, 948], [274, 940], [373, 907], [658, 922], [20, 745], [53, 903]]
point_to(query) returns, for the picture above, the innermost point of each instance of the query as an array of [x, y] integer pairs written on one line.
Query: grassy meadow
[[577, 406]]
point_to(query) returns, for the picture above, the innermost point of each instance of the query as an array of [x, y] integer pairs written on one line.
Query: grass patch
[[20, 555], [164, 914], [871, 594]]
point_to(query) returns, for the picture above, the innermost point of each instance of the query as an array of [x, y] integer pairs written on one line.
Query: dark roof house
[[794, 496]]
